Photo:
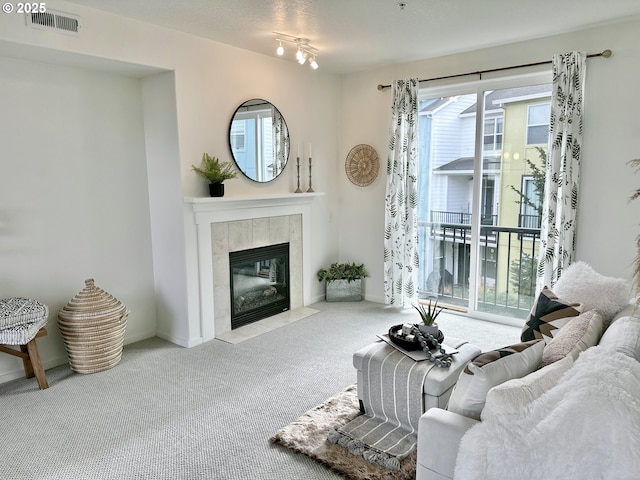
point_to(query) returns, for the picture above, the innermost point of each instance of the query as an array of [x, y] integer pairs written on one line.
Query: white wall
[[166, 212], [607, 223], [186, 90], [88, 190], [73, 194]]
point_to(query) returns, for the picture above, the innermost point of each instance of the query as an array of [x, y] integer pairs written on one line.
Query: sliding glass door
[[445, 205], [481, 162]]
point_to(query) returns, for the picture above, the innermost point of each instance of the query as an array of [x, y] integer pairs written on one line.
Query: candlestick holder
[[310, 189], [298, 190]]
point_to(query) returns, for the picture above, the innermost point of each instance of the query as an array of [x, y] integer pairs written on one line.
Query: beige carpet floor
[[207, 412]]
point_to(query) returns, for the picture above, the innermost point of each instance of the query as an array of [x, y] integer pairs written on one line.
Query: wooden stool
[[22, 321]]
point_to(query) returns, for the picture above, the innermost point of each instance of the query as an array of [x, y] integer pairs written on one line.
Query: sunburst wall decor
[[362, 165]]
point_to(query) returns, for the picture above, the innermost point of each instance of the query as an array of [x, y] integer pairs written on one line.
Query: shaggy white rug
[[308, 435], [587, 426]]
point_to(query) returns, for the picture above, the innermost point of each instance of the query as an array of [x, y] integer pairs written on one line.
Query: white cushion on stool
[[21, 319]]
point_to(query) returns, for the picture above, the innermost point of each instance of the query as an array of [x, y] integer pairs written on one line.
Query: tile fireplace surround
[[237, 223]]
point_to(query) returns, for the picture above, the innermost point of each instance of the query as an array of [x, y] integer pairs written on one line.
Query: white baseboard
[[182, 342], [18, 372], [374, 299], [138, 336]]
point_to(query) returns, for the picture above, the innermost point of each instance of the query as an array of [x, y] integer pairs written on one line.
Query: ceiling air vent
[[52, 20]]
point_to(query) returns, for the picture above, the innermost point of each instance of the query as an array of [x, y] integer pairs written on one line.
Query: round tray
[[409, 345]]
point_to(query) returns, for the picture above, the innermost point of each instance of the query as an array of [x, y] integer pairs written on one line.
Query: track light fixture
[[304, 51]]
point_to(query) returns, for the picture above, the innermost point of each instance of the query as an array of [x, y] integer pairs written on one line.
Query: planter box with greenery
[[343, 281]]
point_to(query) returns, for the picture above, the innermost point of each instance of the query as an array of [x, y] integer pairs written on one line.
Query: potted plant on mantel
[[343, 281], [216, 172], [428, 314]]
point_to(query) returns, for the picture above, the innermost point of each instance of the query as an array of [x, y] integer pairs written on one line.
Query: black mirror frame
[[288, 146]]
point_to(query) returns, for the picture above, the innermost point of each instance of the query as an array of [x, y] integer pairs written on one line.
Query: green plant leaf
[[428, 312], [342, 271], [214, 170]]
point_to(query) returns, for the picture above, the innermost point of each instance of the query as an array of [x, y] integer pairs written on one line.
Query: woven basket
[[92, 326]]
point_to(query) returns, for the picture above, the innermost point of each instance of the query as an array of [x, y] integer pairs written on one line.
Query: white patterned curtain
[[401, 202], [558, 228], [280, 142]]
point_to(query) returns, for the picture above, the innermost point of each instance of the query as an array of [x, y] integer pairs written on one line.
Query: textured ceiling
[[354, 35]]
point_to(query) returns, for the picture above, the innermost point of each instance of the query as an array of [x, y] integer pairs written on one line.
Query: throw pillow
[[514, 396], [579, 282], [490, 369], [548, 314], [623, 336], [580, 333]]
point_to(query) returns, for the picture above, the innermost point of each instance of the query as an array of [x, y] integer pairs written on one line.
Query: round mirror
[[259, 140]]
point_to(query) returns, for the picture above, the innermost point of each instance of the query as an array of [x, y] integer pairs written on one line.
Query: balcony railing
[[529, 221], [506, 270], [462, 218]]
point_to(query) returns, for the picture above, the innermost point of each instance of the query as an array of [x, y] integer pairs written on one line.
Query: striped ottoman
[[377, 363]]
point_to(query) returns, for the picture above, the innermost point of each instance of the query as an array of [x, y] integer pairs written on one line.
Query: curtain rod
[[605, 53]]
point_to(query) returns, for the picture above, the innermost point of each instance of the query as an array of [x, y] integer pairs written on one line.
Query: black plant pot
[[216, 189]]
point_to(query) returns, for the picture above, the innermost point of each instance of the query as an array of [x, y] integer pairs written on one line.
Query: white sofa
[[444, 434]]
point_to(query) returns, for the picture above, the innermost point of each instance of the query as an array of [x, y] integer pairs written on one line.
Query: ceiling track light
[[304, 51], [301, 56]]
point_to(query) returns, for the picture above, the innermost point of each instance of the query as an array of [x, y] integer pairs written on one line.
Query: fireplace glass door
[[259, 283]]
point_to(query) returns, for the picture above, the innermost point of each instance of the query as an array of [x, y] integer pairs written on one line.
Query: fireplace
[[224, 225], [259, 283]]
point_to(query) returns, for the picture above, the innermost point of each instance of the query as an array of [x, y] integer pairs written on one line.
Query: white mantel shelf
[[208, 204]]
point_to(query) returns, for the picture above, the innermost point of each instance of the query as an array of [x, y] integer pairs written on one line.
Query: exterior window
[[531, 204], [538, 124], [488, 192], [488, 265], [493, 134], [238, 136]]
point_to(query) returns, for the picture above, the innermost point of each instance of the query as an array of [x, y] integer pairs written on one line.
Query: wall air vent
[[52, 20]]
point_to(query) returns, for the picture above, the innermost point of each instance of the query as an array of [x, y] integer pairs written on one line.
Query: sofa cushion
[[514, 396], [548, 314], [630, 310], [580, 283], [580, 333], [623, 336], [490, 369]]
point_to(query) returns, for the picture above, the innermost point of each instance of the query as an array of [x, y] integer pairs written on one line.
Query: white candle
[[309, 149], [298, 150]]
